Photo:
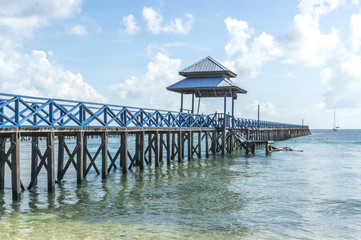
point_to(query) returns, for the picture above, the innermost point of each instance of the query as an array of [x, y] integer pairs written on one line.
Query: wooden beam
[[141, 150], [2, 162], [168, 148], [80, 156], [124, 153], [207, 144], [104, 137], [50, 163], [15, 166]]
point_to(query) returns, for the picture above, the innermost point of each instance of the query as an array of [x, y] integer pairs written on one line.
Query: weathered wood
[[50, 164], [104, 137], [141, 150], [214, 142], [124, 153], [199, 144], [15, 166], [161, 144], [34, 158], [180, 146], [223, 144], [2, 162], [207, 143], [92, 159], [173, 145], [168, 148], [150, 142], [190, 144], [34, 162], [80, 156], [156, 149], [85, 147]]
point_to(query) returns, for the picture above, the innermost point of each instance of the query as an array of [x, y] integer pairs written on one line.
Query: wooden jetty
[[159, 136]]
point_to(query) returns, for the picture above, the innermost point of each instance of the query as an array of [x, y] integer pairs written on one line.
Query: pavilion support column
[[181, 108], [224, 122], [232, 108], [192, 102]]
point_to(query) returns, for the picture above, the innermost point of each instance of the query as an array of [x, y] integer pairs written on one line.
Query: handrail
[[25, 111]]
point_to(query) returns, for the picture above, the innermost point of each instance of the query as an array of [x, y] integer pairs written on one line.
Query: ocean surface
[[313, 194]]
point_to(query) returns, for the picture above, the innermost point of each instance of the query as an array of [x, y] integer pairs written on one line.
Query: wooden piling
[[15, 165], [104, 144], [2, 162], [124, 152]]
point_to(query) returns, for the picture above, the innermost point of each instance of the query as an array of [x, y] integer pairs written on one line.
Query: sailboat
[[335, 128]]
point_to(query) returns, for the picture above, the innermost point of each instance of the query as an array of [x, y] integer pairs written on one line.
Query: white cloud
[[156, 26], [356, 31], [240, 33], [302, 43], [131, 27], [35, 75], [345, 87], [149, 89], [22, 17], [264, 49], [267, 109], [326, 76], [78, 29]]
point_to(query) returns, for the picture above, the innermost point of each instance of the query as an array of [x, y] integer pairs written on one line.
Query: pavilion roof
[[207, 67], [207, 87]]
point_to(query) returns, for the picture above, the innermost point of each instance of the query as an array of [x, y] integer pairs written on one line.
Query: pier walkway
[[159, 135]]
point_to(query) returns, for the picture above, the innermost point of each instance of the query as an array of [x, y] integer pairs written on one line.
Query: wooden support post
[[141, 150], [124, 153], [80, 156], [173, 146], [223, 145], [2, 163], [161, 143], [150, 144], [156, 149], [268, 148], [214, 142], [190, 145], [180, 146], [168, 148], [15, 166], [229, 142], [104, 155], [85, 143], [199, 144], [137, 150], [253, 148], [34, 162], [50, 166], [207, 144]]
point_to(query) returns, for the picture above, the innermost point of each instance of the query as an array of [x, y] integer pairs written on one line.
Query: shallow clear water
[[314, 194]]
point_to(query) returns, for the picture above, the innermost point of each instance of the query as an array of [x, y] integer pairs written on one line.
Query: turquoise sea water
[[314, 194]]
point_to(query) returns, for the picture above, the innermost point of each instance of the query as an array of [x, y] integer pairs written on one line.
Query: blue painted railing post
[[105, 116], [1, 113], [51, 113], [17, 111], [81, 114]]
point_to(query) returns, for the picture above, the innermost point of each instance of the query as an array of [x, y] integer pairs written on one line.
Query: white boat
[[335, 128]]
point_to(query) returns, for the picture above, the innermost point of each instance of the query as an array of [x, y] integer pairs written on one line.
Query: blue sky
[[298, 59]]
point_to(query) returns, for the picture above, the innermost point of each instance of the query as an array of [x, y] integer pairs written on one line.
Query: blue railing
[[24, 111]]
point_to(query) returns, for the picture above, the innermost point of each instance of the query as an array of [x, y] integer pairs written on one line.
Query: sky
[[298, 59]]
